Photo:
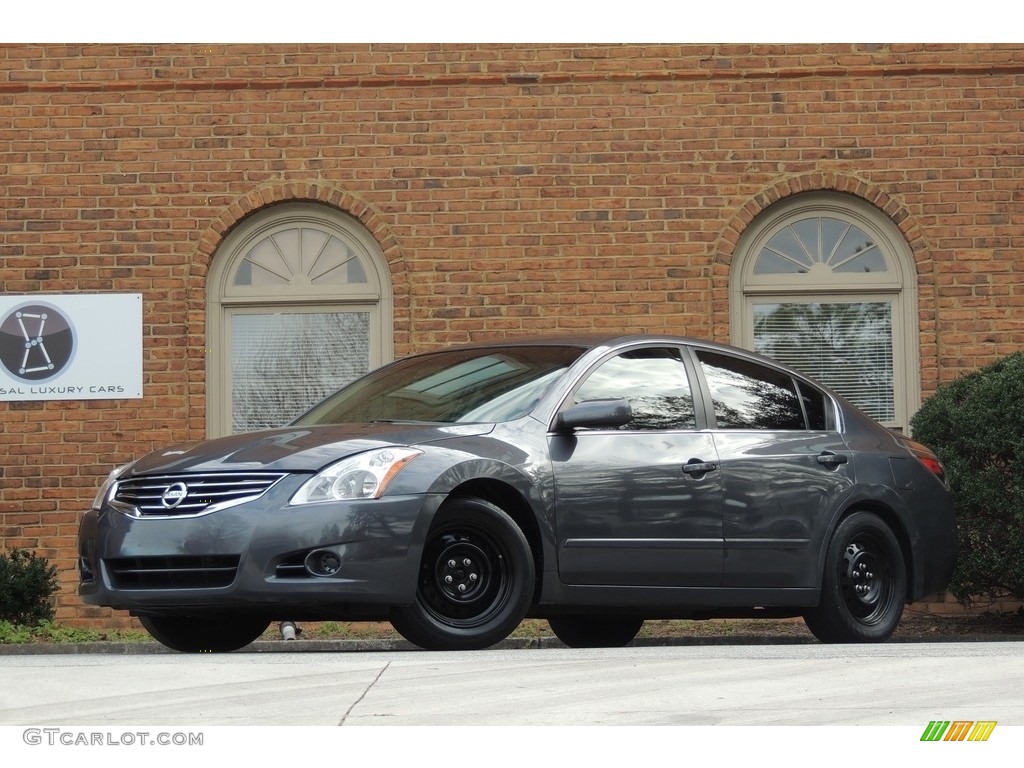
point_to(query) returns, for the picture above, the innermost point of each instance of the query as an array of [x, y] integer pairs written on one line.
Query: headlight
[[115, 474], [364, 476]]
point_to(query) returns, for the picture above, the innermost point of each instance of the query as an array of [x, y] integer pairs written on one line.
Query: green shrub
[[27, 584], [976, 426]]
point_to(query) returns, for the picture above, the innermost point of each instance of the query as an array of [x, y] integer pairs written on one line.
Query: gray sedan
[[594, 482]]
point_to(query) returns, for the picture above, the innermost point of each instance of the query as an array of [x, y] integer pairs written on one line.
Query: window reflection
[[655, 383], [750, 396]]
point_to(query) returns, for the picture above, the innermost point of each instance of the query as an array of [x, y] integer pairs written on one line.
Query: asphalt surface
[[735, 684]]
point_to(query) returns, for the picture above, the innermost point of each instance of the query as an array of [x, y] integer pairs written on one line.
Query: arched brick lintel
[[822, 182]]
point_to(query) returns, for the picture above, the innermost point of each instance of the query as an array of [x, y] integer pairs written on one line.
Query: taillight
[[927, 457]]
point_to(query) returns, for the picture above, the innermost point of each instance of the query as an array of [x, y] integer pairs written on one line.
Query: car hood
[[295, 449]]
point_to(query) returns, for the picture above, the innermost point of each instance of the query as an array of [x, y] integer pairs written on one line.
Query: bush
[[27, 584], [976, 426]]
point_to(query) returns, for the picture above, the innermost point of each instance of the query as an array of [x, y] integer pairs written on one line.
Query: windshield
[[467, 385]]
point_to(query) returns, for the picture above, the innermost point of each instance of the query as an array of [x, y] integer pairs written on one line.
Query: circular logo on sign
[[37, 341]]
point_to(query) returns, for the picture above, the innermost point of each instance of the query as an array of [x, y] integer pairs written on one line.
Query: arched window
[[298, 304], [826, 284]]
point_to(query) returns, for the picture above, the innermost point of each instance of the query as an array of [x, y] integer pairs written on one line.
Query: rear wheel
[[192, 634], [864, 585], [475, 581], [595, 631]]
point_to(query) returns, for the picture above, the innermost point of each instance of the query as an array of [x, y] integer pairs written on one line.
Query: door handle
[[829, 459], [697, 467]]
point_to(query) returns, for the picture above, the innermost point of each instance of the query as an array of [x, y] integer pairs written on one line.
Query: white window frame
[[897, 285], [225, 300]]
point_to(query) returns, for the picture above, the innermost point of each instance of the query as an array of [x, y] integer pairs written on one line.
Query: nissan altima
[[593, 482]]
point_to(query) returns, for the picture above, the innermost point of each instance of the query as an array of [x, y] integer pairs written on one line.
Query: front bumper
[[250, 558]]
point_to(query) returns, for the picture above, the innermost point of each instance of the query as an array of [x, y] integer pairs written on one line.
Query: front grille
[[178, 572], [192, 494]]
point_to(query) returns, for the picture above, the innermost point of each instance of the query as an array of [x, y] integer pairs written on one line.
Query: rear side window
[[747, 395]]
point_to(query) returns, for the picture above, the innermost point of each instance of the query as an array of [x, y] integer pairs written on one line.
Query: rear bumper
[[936, 548], [935, 566]]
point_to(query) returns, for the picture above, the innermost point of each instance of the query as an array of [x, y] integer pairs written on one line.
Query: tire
[[864, 585], [595, 631], [475, 582], [193, 634]]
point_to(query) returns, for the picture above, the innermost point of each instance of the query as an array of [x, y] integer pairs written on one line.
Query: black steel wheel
[[475, 581], [864, 586], [595, 631], [200, 634]]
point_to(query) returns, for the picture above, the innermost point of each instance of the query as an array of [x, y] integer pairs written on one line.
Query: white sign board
[[71, 346]]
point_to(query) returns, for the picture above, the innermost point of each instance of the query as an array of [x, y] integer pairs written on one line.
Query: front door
[[640, 505]]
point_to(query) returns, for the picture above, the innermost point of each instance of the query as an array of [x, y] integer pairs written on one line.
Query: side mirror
[[595, 414]]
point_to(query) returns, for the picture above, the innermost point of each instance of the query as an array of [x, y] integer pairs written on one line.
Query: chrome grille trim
[[207, 492]]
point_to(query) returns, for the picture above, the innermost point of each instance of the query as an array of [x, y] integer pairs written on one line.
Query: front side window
[[655, 383]]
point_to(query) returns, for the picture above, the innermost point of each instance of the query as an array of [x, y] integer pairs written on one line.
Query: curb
[[385, 645]]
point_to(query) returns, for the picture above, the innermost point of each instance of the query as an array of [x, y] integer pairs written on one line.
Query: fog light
[[322, 562]]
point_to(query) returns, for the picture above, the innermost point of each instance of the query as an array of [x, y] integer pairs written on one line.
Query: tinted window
[[747, 395], [815, 406], [454, 386], [655, 383]]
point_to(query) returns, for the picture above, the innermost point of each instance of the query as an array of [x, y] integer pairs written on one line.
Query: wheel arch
[[515, 505], [896, 524]]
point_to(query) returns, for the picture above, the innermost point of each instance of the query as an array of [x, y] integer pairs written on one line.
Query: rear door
[[640, 505], [784, 469]]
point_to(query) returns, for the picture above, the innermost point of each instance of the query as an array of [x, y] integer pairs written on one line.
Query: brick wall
[[512, 188]]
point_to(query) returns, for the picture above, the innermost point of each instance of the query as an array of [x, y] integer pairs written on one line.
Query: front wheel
[[595, 631], [193, 634], [864, 585], [475, 581]]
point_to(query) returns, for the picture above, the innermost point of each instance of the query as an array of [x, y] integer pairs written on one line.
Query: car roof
[[590, 341], [595, 340]]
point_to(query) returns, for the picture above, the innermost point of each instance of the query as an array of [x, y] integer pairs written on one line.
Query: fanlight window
[[822, 244], [300, 256]]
